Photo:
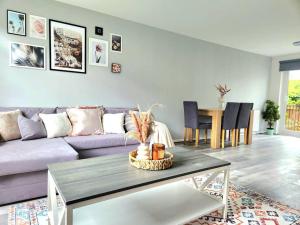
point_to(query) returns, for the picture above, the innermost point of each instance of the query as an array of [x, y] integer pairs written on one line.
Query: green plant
[[271, 113]]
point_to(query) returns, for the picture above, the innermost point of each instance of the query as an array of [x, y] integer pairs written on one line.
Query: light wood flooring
[[271, 166]]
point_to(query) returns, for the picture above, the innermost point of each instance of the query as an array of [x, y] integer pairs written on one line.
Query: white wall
[[157, 66]]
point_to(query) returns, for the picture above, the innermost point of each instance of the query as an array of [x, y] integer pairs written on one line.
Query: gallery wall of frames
[[67, 45]]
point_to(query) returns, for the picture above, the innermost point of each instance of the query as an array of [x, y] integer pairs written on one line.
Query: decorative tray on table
[[148, 164]]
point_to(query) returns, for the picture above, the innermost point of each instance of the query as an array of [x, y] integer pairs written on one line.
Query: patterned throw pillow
[[31, 128], [86, 121], [113, 123], [57, 125], [9, 129]]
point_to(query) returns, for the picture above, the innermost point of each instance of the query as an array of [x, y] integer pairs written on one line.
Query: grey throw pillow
[[31, 128], [129, 125]]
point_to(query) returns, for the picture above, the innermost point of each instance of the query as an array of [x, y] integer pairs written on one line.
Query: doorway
[[290, 103]]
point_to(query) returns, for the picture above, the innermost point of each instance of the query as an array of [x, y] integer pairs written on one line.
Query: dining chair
[[229, 121], [243, 121], [192, 121]]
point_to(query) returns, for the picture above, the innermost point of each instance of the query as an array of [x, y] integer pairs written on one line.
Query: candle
[[158, 151]]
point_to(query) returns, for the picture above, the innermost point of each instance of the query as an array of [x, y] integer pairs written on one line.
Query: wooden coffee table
[[109, 191]]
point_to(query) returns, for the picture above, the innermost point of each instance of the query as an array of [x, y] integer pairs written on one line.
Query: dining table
[[215, 136]]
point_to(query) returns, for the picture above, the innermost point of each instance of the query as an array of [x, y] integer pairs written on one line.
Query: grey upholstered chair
[[192, 121], [243, 121], [229, 121]]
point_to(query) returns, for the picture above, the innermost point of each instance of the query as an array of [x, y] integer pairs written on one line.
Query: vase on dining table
[[222, 103]]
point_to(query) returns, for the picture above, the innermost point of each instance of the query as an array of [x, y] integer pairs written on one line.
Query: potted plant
[[271, 115]]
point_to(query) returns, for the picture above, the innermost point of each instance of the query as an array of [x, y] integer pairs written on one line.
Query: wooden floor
[[271, 166]]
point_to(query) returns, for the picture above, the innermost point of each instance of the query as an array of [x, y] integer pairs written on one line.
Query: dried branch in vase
[[223, 90]]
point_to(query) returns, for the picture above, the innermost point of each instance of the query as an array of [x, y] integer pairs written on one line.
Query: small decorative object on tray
[[147, 164], [158, 151], [143, 122], [143, 158]]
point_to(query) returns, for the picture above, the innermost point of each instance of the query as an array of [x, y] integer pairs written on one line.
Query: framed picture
[[16, 23], [116, 68], [98, 52], [37, 27], [26, 55], [67, 47], [116, 43]]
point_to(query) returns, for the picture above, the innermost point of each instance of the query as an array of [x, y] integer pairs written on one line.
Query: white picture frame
[[116, 39], [98, 52], [25, 55], [37, 27]]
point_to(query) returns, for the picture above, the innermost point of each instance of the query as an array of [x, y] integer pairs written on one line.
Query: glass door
[[290, 107]]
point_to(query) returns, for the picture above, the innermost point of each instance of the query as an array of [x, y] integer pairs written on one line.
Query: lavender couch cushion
[[98, 141], [29, 111], [31, 128], [28, 156], [20, 187]]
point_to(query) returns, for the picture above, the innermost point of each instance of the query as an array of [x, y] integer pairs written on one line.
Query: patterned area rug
[[244, 207]]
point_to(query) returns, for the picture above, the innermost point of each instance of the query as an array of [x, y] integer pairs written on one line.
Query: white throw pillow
[[113, 123], [57, 125]]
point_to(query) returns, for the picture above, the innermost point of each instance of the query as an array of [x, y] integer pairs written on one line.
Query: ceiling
[[267, 27]]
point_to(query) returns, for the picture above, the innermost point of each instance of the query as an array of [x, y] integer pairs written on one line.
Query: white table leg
[[225, 192], [68, 216], [57, 216], [194, 183]]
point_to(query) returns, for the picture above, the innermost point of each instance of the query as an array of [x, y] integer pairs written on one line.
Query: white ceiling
[[267, 27]]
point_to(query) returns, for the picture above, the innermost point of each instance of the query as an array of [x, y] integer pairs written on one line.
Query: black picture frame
[[99, 31], [83, 47], [7, 23]]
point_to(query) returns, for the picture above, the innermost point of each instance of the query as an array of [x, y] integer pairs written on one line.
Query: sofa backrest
[[106, 109], [118, 110], [29, 111]]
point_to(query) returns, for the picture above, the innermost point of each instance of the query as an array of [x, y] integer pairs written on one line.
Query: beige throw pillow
[[85, 121], [57, 125], [9, 128]]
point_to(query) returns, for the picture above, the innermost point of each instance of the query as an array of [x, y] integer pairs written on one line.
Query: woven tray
[[161, 164]]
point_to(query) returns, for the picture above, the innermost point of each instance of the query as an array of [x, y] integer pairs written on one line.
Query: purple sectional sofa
[[23, 164]]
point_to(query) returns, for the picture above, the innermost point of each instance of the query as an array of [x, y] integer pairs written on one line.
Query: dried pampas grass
[[143, 122]]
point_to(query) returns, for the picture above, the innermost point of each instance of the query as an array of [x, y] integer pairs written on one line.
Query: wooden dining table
[[215, 135]]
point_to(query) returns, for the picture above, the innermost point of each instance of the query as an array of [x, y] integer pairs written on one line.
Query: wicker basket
[[161, 164]]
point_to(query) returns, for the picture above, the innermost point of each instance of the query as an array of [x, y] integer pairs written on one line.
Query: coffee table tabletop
[[87, 179]]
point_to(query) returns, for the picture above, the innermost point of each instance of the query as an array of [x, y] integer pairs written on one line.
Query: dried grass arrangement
[[143, 122], [223, 90]]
